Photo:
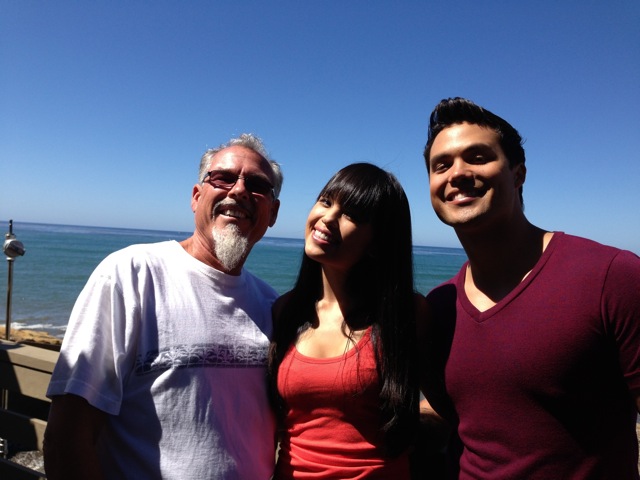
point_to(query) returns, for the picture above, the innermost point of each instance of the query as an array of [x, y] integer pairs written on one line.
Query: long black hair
[[380, 286]]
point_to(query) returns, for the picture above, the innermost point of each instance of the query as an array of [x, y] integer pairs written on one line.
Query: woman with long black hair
[[342, 359]]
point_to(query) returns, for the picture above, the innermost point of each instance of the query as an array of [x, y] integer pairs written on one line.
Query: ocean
[[59, 259]]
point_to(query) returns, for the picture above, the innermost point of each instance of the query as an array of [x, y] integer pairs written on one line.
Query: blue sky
[[106, 107]]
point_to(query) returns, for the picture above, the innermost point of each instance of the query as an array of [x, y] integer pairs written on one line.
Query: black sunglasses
[[226, 180]]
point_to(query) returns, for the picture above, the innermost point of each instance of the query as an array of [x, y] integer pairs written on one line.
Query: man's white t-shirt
[[175, 352]]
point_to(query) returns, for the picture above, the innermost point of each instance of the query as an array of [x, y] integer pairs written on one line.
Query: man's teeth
[[233, 213], [461, 195]]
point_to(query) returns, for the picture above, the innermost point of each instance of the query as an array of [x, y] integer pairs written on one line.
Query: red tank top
[[332, 423]]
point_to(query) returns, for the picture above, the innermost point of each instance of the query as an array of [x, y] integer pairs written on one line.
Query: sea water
[[59, 259]]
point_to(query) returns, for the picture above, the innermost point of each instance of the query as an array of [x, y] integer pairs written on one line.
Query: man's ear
[[195, 197], [519, 174], [274, 212]]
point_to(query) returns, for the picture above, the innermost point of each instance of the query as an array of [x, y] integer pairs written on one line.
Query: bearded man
[[162, 369]]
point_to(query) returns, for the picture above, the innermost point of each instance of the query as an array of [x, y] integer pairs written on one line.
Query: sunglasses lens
[[257, 185]]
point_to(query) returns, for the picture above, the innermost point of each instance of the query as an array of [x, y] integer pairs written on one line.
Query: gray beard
[[230, 246]]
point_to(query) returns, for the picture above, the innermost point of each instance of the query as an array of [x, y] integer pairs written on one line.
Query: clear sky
[[107, 106]]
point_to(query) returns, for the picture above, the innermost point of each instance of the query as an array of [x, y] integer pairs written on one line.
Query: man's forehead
[[460, 134], [236, 156], [466, 128]]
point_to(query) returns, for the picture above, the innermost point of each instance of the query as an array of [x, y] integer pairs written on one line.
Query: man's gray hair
[[252, 142]]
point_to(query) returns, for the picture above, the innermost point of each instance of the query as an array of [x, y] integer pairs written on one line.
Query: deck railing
[[25, 372]]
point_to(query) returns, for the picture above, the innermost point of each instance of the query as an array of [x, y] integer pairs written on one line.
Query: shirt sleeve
[[621, 313], [92, 354]]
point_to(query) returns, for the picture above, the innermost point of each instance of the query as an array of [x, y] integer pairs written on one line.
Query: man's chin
[[223, 221], [231, 247]]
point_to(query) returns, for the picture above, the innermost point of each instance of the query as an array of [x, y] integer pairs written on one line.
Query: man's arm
[[432, 425], [431, 363], [70, 439]]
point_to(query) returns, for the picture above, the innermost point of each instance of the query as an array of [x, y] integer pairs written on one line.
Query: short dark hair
[[452, 111]]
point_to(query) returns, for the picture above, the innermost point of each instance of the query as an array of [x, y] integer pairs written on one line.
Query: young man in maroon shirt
[[535, 348]]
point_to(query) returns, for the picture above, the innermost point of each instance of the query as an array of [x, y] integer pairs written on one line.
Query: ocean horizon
[[58, 260]]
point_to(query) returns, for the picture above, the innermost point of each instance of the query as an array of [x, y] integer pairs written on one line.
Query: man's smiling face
[[470, 181], [216, 208]]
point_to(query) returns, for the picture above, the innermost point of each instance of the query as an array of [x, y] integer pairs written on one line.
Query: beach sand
[[33, 337]]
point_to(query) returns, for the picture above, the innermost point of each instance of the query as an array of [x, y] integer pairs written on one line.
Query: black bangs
[[359, 189]]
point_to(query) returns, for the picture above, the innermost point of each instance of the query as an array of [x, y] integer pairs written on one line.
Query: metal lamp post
[[12, 248]]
